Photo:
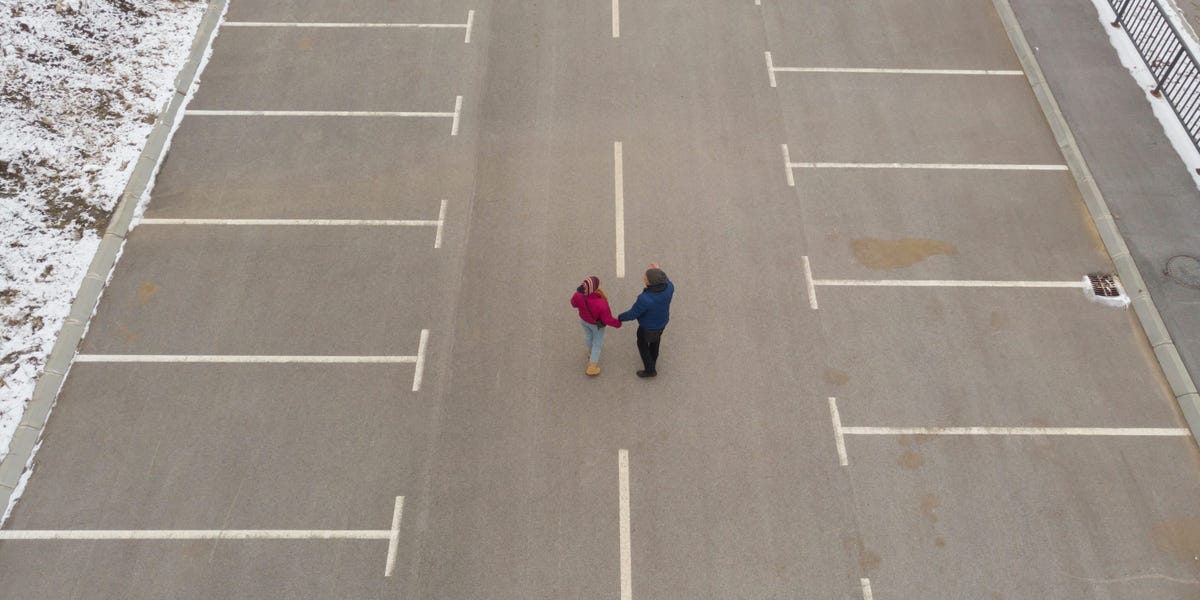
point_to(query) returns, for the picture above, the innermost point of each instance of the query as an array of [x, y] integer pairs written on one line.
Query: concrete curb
[[1182, 385], [29, 432]]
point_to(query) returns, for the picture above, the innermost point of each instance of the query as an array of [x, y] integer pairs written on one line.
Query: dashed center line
[[619, 208], [866, 588], [623, 513], [616, 19]]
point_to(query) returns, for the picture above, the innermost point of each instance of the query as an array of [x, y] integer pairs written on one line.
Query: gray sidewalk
[[1151, 194]]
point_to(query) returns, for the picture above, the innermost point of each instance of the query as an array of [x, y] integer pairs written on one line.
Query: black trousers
[[647, 343]]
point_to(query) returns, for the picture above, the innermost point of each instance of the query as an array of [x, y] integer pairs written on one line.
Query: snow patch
[[83, 81]]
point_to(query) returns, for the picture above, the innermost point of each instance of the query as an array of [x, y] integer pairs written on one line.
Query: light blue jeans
[[593, 338]]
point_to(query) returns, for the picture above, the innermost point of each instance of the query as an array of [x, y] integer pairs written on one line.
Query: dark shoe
[[647, 373]]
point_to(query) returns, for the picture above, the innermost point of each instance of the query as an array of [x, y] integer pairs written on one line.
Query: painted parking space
[[903, 33], [914, 119], [535, 481], [957, 516], [239, 447], [256, 375], [317, 168], [896, 224], [988, 357], [337, 291], [200, 568]]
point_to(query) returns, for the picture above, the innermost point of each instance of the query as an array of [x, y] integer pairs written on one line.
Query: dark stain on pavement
[[1179, 537], [998, 321], [896, 254], [836, 376], [909, 460], [147, 291], [929, 504], [867, 560]]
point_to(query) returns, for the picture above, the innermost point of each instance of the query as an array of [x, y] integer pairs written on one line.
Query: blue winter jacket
[[652, 309]]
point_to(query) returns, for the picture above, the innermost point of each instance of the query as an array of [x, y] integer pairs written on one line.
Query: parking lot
[[336, 359]]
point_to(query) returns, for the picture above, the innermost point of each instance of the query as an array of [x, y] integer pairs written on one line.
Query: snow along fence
[[1165, 51]]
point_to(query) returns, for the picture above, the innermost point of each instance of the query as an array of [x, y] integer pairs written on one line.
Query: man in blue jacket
[[652, 309]]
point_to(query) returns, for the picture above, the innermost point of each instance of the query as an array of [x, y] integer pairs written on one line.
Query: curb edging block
[[45, 392], [1183, 387]]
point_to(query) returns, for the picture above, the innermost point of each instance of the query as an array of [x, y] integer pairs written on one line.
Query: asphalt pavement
[[882, 377]]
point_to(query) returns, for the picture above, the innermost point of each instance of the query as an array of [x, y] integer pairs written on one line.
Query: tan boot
[[593, 369]]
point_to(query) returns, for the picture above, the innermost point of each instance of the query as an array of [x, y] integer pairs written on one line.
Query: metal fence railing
[[1175, 69]]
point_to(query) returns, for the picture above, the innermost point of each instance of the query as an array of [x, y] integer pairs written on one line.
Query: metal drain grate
[[1104, 285], [1184, 270]]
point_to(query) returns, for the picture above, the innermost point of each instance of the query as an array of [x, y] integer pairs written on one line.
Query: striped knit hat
[[590, 285]]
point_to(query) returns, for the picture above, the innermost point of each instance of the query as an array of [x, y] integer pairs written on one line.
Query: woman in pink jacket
[[594, 314]]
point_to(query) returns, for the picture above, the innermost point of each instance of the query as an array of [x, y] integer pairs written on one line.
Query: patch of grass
[[71, 211]]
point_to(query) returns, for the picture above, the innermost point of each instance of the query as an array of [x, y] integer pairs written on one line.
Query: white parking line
[[838, 438], [811, 283], [896, 71], [619, 200], [968, 283], [952, 166], [439, 223], [194, 534], [772, 69], [787, 165], [420, 371], [454, 116], [309, 25], [1040, 431], [808, 283], [394, 537], [866, 588], [264, 222], [616, 19], [418, 360], [313, 113], [623, 513], [840, 431], [230, 358], [457, 114]]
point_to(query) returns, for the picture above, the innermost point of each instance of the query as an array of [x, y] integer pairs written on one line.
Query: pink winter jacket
[[592, 307]]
